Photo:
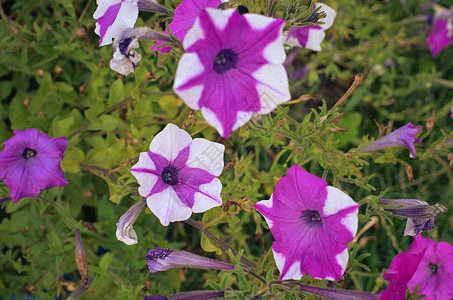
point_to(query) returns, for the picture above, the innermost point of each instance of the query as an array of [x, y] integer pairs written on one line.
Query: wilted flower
[[311, 36], [337, 294], [81, 260], [435, 271], [404, 136], [125, 58], [185, 15], [178, 176], [124, 228], [232, 68], [420, 215], [401, 270], [312, 224], [441, 34], [114, 16], [159, 259], [449, 143], [30, 163]]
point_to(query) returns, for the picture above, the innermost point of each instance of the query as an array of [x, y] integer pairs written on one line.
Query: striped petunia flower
[[311, 224], [311, 36], [232, 68], [178, 175]]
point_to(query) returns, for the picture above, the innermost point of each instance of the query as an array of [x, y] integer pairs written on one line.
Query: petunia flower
[[30, 163], [232, 68], [124, 228], [114, 16], [441, 33], [311, 224], [403, 136], [311, 36], [435, 271], [125, 58], [159, 259], [185, 15], [401, 270], [178, 176], [420, 215]]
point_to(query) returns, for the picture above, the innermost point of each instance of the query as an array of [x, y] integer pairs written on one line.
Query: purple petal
[[440, 36]]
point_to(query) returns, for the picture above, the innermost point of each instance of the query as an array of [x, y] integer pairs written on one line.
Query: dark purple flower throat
[[28, 153], [225, 60], [312, 218], [170, 175]]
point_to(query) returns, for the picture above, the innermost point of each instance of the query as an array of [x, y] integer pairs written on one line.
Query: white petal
[[124, 228], [267, 203], [209, 198], [272, 86], [342, 259], [337, 200], [219, 17], [330, 18], [211, 118], [103, 5], [146, 180], [242, 118], [168, 207], [189, 66], [195, 34], [293, 271], [258, 22], [170, 141], [315, 37], [206, 155]]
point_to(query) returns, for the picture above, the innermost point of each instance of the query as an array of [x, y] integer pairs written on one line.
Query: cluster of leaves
[[53, 77]]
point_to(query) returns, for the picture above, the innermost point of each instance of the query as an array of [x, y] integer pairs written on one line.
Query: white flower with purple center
[[232, 68], [311, 36], [312, 224], [114, 16], [178, 175]]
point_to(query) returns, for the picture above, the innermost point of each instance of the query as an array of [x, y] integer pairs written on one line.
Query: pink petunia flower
[[185, 15], [232, 68], [114, 16], [178, 175], [435, 271], [311, 36], [440, 36], [401, 270], [311, 224], [403, 136], [30, 163]]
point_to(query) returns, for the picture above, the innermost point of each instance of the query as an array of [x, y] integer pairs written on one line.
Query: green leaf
[[116, 92], [73, 157]]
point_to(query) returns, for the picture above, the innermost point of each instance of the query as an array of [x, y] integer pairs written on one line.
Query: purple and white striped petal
[[178, 176], [124, 228], [311, 36], [312, 224], [114, 16], [231, 78]]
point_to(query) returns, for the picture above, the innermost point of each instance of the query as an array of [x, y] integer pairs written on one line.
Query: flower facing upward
[[30, 163], [441, 34], [311, 36], [185, 15], [312, 224], [435, 271], [232, 68], [178, 176], [404, 136], [400, 273]]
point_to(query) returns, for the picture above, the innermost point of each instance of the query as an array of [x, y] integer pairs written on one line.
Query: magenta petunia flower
[[30, 163], [401, 270], [440, 36], [232, 68], [312, 224], [403, 136], [114, 16], [311, 36], [435, 271], [178, 176], [185, 15]]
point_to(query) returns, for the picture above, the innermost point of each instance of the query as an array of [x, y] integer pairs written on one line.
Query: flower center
[[433, 268], [124, 44], [170, 175], [28, 153], [158, 253], [225, 60], [312, 218]]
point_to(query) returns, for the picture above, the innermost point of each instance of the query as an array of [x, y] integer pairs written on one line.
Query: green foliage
[[54, 77]]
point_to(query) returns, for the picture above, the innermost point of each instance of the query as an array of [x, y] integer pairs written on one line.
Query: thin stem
[[200, 226], [200, 130], [253, 274], [355, 84]]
